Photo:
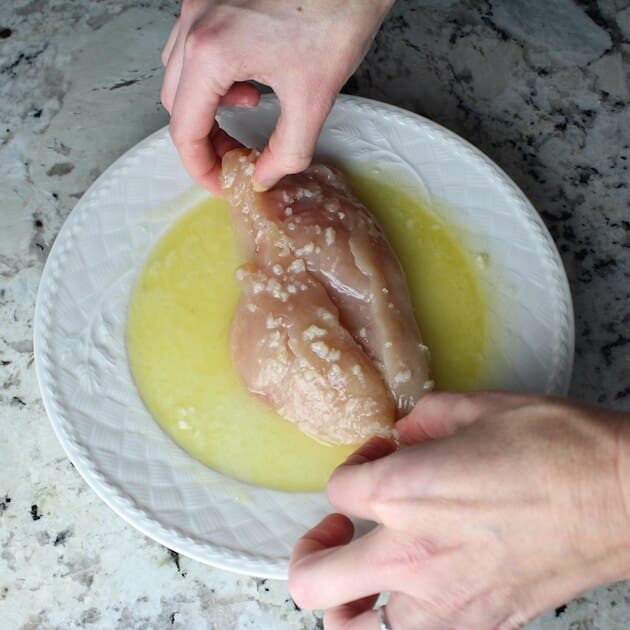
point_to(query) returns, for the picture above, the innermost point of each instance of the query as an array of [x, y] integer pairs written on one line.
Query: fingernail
[[260, 186], [396, 437]]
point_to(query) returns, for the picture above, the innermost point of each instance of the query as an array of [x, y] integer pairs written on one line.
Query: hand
[[480, 526], [304, 50]]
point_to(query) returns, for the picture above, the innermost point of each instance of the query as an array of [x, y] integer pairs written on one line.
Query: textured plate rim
[[124, 506], [121, 504]]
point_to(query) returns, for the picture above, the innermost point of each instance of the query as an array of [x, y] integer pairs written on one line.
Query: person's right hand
[[502, 506], [304, 50]]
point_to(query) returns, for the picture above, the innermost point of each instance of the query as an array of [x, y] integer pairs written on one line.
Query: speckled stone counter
[[542, 87]]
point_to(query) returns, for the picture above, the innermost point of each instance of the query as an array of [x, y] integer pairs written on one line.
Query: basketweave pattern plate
[[81, 313]]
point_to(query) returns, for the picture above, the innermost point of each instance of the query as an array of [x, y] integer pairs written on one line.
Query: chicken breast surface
[[325, 330]]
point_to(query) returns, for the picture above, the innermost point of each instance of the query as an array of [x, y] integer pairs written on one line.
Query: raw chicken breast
[[312, 224], [291, 350]]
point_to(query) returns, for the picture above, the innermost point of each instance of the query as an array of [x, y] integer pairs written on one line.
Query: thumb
[[292, 143], [439, 414]]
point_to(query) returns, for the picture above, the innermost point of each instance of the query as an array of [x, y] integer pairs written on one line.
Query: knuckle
[[410, 553], [386, 483], [191, 8], [365, 480], [197, 45], [471, 402], [205, 48]]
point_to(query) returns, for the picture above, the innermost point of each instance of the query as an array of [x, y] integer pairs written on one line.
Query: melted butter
[[178, 338], [444, 283]]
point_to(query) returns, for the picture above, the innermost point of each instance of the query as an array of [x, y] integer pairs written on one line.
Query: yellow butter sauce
[[179, 324], [444, 282]]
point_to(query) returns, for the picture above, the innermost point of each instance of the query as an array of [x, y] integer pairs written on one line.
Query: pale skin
[[305, 51], [500, 506]]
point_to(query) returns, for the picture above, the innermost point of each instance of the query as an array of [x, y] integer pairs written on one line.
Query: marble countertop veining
[[542, 87]]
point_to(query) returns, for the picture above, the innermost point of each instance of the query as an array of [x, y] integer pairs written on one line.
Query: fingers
[[170, 42], [199, 142], [333, 531], [353, 481], [401, 613], [291, 145], [347, 614], [203, 155], [324, 577], [172, 75], [192, 119], [440, 414], [372, 490], [324, 561], [353, 616], [241, 94], [222, 143]]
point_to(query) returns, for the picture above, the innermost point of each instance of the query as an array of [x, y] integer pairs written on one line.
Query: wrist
[[604, 496], [590, 486]]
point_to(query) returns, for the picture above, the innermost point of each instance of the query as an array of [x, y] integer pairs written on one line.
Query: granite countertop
[[542, 87]]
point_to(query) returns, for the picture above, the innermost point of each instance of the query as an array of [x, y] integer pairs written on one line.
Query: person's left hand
[[305, 51], [480, 526]]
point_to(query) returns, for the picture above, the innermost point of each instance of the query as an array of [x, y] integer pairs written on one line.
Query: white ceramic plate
[[82, 304]]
